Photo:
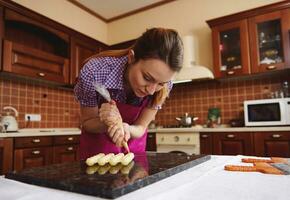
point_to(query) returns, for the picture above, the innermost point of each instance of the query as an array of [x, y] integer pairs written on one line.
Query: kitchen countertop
[[27, 132], [200, 129], [205, 181]]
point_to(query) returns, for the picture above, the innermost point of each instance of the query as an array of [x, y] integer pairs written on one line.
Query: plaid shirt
[[108, 71]]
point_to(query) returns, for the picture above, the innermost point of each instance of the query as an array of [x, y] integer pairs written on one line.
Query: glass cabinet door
[[268, 36], [230, 45]]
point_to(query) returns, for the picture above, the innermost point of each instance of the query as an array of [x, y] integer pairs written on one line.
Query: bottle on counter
[[285, 89]]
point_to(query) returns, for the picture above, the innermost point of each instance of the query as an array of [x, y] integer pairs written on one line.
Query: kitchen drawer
[[67, 139], [65, 153], [30, 142], [177, 138]]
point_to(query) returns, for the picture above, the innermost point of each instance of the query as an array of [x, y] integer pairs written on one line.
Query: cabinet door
[[272, 144], [1, 34], [270, 41], [239, 143], [6, 155], [206, 143], [32, 157], [231, 49], [80, 51], [151, 142], [65, 153]]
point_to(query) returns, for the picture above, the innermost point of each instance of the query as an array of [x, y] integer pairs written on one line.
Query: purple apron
[[93, 143]]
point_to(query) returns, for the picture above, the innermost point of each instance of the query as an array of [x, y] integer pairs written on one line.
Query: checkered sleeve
[[84, 90]]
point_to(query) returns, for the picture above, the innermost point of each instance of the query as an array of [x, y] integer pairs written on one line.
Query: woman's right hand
[[119, 133]]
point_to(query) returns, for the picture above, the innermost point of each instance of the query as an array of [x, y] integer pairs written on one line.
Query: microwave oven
[[267, 112]]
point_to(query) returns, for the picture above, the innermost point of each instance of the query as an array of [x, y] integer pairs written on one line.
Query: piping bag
[[102, 90]]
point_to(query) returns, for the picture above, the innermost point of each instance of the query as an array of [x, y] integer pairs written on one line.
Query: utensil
[[102, 90], [186, 120], [9, 122]]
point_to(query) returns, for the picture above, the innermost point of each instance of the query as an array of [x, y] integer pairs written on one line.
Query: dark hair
[[160, 43]]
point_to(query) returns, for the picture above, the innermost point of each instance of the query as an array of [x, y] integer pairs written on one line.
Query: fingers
[[116, 133]]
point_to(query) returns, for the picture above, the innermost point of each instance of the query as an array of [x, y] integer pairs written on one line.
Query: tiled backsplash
[[228, 95], [59, 109]]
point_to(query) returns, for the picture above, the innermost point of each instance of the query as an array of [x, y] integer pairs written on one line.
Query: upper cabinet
[[34, 49], [252, 41], [81, 49], [269, 41], [33, 46]]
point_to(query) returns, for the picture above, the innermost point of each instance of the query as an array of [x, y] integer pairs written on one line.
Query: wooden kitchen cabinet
[[34, 49], [231, 49], [81, 49], [269, 40], [272, 144], [206, 142], [236, 143], [39, 151], [32, 152], [151, 142], [6, 155], [252, 41], [66, 149]]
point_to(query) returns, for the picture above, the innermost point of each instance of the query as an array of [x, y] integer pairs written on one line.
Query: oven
[[186, 142]]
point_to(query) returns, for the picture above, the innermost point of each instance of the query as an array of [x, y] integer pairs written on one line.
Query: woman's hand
[[109, 114], [119, 133]]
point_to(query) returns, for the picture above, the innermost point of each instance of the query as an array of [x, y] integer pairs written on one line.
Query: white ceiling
[[112, 8]]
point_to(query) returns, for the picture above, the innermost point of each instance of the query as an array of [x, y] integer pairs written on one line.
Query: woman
[[138, 79]]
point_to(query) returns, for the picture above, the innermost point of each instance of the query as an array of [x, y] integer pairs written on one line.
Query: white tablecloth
[[205, 181]]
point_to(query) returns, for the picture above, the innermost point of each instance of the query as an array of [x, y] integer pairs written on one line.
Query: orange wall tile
[[57, 107], [228, 95]]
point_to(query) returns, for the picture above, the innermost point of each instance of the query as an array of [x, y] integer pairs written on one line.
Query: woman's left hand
[[109, 114], [119, 133]]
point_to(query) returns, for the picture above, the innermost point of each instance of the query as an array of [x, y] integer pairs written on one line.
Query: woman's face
[[148, 76]]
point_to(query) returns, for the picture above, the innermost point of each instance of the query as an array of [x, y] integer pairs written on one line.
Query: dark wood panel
[[14, 16], [31, 62], [81, 50], [33, 157], [28, 142], [272, 144], [6, 155], [206, 142], [233, 143], [151, 142], [67, 139], [66, 153]]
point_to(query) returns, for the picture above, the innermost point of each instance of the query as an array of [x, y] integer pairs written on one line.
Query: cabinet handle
[[230, 135], [150, 136], [35, 140], [271, 67], [35, 152], [162, 139], [176, 138], [230, 72], [204, 136], [15, 58], [70, 148], [188, 139], [41, 74], [70, 138], [276, 136]]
